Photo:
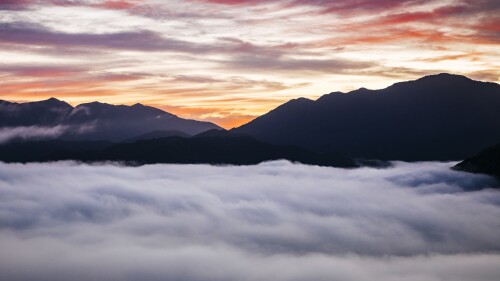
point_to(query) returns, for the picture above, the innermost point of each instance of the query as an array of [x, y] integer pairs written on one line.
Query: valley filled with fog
[[273, 221]]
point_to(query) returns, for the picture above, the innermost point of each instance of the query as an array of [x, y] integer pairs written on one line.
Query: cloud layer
[[274, 221]]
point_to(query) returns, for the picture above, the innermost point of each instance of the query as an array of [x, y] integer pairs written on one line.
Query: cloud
[[30, 132], [8, 134], [121, 51], [31, 34], [239, 54], [274, 221], [104, 4], [25, 33], [43, 71], [14, 4], [329, 6], [363, 7], [270, 63]]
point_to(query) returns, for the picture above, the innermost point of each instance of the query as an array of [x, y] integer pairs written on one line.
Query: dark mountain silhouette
[[49, 112], [217, 133], [47, 150], [438, 117], [233, 150], [97, 121], [158, 135], [485, 162]]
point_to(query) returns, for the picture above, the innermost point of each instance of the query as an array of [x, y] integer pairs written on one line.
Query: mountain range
[[96, 121], [437, 117], [211, 147]]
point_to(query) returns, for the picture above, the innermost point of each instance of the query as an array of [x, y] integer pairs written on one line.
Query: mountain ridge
[[487, 161], [425, 115], [211, 149], [96, 120], [436, 117]]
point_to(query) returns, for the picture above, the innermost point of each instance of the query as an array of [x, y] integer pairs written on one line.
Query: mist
[[34, 133], [273, 221], [30, 133]]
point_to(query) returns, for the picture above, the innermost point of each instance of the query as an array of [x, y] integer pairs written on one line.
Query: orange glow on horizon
[[233, 60]]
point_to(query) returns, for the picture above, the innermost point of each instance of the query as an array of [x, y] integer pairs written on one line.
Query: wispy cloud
[[23, 33], [30, 133], [105, 4], [311, 47]]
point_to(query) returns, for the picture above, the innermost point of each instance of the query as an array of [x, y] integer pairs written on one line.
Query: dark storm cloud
[[276, 221]]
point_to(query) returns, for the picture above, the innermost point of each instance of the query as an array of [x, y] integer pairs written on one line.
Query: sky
[[272, 221], [228, 61]]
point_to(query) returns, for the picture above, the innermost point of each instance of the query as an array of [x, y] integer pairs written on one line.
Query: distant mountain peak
[[54, 102], [445, 75], [300, 100], [95, 103], [97, 120], [157, 135], [335, 93], [361, 90], [5, 102], [215, 133]]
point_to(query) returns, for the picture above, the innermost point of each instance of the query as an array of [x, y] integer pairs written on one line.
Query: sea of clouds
[[273, 221]]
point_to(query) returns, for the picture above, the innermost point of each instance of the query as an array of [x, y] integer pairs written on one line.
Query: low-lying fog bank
[[273, 221]]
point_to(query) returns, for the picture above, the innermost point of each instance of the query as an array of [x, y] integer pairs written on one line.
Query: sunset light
[[228, 61]]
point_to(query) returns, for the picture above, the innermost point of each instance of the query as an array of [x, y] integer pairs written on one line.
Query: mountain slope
[[485, 162], [96, 121], [158, 135], [438, 117], [49, 112], [119, 122], [47, 150], [232, 150]]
